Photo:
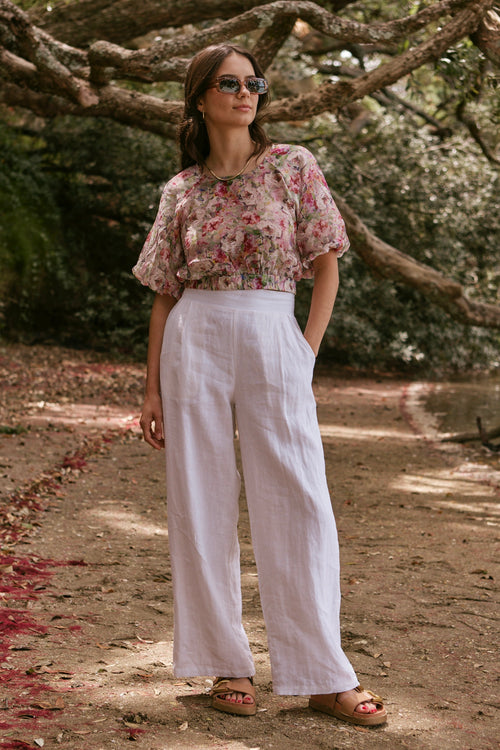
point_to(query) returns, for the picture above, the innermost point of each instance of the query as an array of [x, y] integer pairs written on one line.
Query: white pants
[[245, 348]]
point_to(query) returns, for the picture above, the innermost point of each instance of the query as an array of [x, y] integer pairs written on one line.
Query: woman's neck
[[229, 152]]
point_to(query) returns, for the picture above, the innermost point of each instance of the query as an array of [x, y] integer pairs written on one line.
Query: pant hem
[[214, 672], [312, 689]]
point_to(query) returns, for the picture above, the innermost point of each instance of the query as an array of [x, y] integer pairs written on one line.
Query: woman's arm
[[326, 284], [152, 413]]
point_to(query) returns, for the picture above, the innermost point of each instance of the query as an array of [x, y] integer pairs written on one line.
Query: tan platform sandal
[[346, 710], [226, 686]]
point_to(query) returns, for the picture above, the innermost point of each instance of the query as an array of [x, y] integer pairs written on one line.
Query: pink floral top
[[262, 230]]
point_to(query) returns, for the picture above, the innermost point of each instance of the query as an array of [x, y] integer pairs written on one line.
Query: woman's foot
[[234, 695], [356, 706], [239, 697]]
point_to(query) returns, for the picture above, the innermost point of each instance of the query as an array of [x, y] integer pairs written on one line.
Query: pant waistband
[[256, 300]]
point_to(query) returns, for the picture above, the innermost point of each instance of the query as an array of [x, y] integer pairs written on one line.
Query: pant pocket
[[180, 364], [302, 341]]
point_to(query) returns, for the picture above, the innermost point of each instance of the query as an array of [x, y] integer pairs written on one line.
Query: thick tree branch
[[393, 264], [122, 20], [111, 61], [32, 47], [275, 18], [386, 97], [331, 96], [272, 39], [487, 35], [112, 107]]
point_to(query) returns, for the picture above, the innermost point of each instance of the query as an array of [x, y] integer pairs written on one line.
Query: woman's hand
[[152, 421]]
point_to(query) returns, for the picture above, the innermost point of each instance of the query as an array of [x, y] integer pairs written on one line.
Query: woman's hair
[[192, 134]]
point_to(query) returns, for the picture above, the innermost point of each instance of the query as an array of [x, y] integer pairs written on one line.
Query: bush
[[81, 197]]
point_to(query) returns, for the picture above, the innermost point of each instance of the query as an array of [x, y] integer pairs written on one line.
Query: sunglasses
[[232, 85]]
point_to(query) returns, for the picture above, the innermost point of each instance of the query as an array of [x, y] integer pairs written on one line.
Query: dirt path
[[86, 600]]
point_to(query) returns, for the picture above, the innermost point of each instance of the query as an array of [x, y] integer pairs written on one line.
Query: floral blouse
[[262, 230]]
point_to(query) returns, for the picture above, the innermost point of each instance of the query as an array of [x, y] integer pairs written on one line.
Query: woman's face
[[230, 110]]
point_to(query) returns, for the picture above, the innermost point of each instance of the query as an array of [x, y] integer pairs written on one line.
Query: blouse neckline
[[256, 168]]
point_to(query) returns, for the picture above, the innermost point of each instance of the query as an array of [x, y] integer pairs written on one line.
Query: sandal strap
[[225, 685], [350, 702]]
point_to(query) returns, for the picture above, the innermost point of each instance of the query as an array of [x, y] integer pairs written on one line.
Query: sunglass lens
[[229, 85], [256, 85]]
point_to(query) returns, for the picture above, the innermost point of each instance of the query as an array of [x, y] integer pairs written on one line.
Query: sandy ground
[[85, 599]]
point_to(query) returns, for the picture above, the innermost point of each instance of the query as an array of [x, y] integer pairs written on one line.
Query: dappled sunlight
[[491, 510], [88, 415], [364, 433], [440, 482], [129, 522]]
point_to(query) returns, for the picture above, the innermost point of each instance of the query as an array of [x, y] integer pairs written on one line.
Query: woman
[[235, 229]]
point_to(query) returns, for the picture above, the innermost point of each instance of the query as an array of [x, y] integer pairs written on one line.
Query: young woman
[[235, 230]]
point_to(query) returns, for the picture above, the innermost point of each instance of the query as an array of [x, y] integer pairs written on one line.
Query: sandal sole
[[238, 709]]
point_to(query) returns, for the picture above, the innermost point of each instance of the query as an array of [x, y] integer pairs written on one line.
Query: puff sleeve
[[320, 227], [162, 254]]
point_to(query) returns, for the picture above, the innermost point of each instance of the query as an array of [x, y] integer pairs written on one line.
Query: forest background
[[399, 101]]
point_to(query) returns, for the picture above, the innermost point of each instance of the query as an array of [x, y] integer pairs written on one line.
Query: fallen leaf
[[56, 705]]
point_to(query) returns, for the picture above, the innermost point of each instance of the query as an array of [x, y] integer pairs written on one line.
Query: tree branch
[[113, 107], [391, 263], [275, 17], [31, 45], [331, 96], [474, 131], [487, 35], [272, 39], [123, 20]]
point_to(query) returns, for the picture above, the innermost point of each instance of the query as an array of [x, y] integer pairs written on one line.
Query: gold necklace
[[231, 177]]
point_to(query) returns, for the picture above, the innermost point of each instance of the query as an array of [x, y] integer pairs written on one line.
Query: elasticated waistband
[[257, 300]]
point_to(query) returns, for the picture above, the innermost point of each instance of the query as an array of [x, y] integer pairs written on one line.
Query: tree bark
[[487, 35], [120, 21], [390, 263]]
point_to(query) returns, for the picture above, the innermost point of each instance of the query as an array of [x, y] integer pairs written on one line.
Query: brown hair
[[192, 134]]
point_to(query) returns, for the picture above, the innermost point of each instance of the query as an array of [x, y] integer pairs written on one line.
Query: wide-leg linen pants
[[244, 349]]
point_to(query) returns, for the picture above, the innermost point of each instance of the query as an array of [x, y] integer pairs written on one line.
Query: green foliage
[[435, 201], [29, 230], [78, 201]]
